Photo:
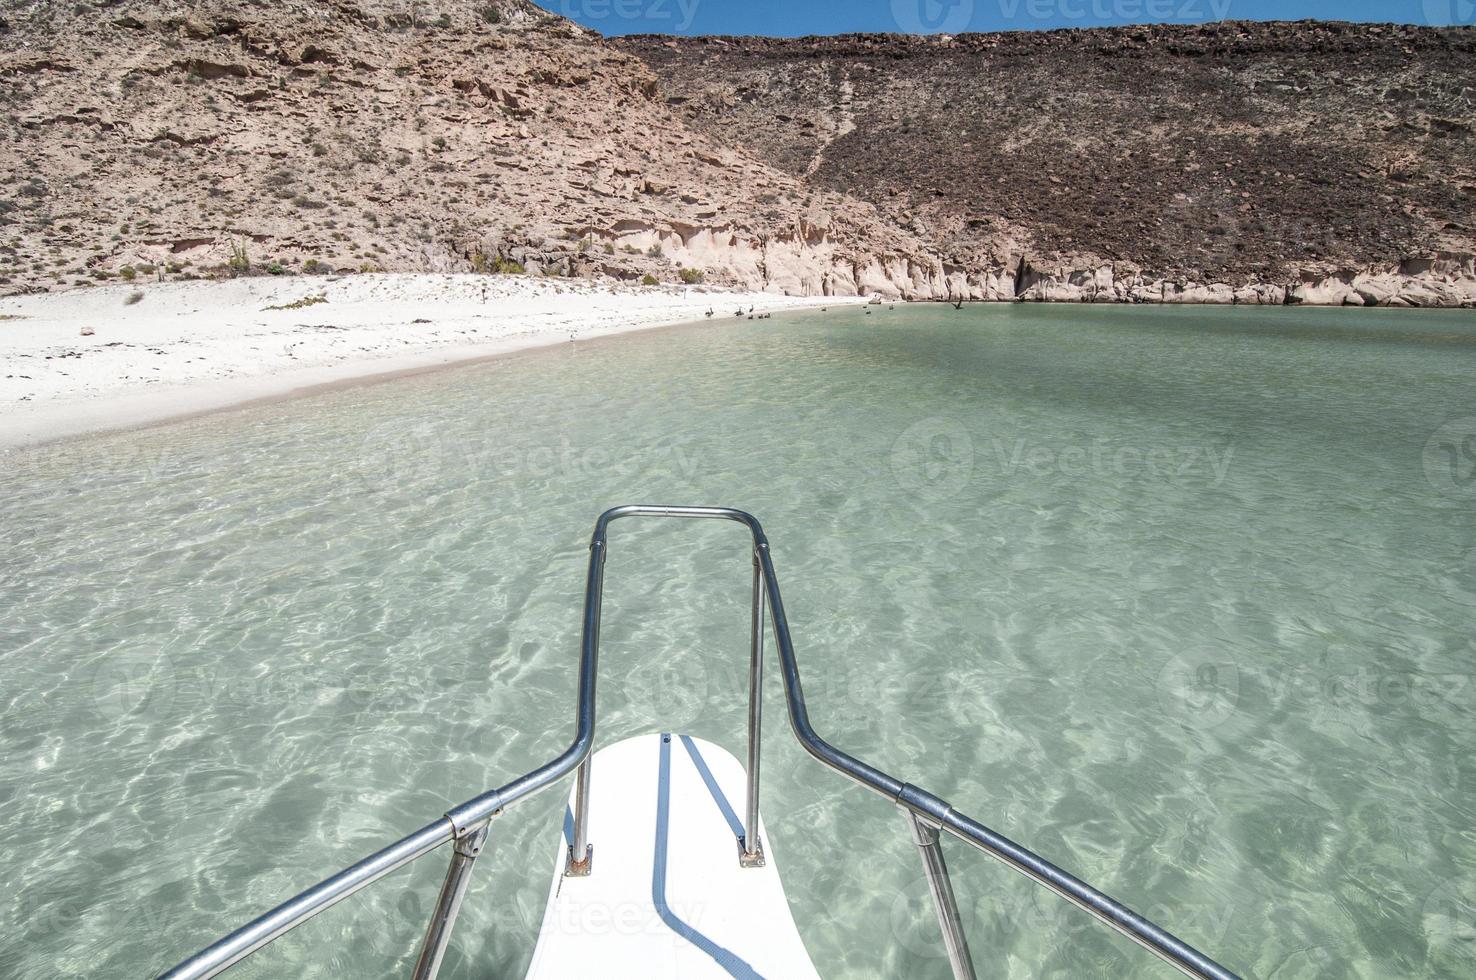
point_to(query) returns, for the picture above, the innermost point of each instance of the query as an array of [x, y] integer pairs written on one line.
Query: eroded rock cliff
[[1273, 163], [1264, 162], [227, 136]]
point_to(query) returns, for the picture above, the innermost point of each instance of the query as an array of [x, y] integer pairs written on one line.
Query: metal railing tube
[[580, 852], [1167, 947], [448, 904], [794, 693], [1151, 937], [929, 810], [925, 836], [220, 956], [752, 854]]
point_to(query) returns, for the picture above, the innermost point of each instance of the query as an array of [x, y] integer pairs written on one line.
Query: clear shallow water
[[1183, 599]]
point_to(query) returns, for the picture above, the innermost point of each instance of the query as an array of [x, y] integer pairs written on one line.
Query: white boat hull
[[667, 897]]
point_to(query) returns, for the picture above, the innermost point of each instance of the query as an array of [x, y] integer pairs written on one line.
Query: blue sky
[[798, 17]]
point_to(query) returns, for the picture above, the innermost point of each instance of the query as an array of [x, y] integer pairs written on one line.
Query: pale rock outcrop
[[1260, 294], [1331, 291]]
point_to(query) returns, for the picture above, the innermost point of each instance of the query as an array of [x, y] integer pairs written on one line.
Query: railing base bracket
[[580, 869], [747, 860]]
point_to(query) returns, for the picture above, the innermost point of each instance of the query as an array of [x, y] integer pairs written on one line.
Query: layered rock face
[[148, 139], [1251, 162]]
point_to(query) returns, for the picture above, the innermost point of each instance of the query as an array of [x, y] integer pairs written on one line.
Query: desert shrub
[[301, 304], [313, 266], [240, 262], [650, 280], [490, 14], [128, 273], [692, 276], [655, 251], [507, 267]]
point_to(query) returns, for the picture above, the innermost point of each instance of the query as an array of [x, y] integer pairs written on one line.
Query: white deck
[[666, 897]]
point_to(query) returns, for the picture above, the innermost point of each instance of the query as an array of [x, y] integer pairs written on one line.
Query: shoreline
[[207, 347], [357, 330]]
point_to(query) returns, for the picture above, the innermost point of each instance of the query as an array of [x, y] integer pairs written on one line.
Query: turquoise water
[[1183, 599]]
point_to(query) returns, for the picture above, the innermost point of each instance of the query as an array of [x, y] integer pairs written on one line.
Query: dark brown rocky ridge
[[1233, 153], [1237, 162]]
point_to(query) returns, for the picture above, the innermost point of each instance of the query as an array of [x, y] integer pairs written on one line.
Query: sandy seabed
[[161, 351]]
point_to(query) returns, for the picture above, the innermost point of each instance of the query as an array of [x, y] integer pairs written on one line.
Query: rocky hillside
[[169, 139], [1225, 155], [1260, 163]]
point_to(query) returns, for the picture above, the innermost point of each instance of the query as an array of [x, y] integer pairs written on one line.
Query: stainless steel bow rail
[[467, 825]]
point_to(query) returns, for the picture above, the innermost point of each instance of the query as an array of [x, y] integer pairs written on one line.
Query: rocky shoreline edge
[[1448, 282]]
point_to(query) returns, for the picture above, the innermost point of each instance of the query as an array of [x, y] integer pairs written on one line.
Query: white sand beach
[[159, 351]]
